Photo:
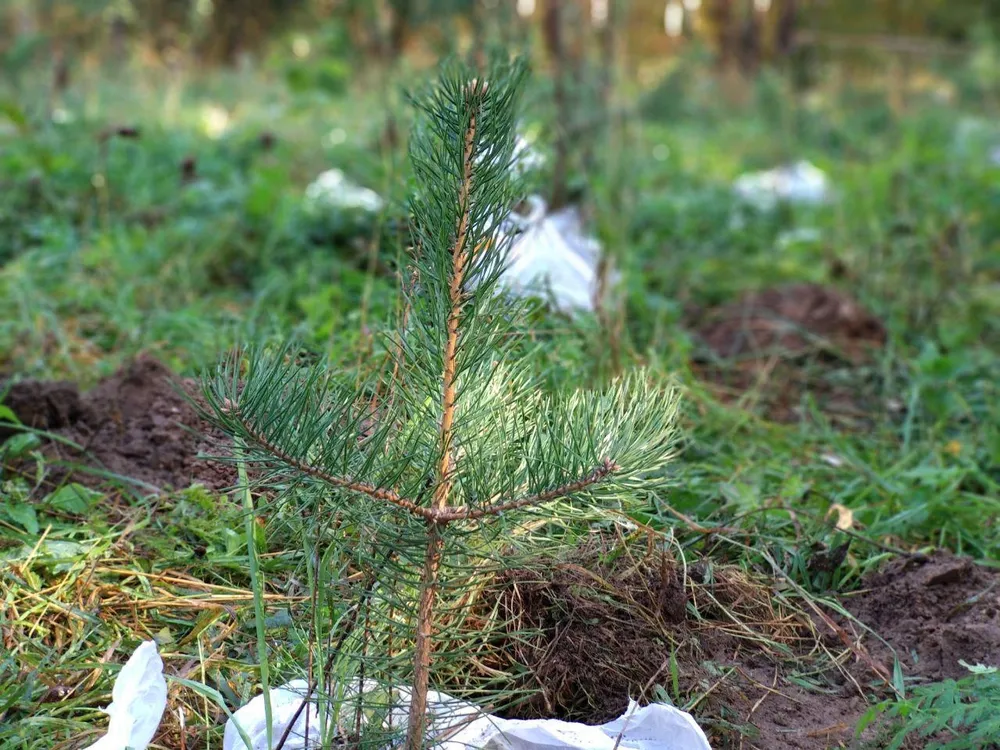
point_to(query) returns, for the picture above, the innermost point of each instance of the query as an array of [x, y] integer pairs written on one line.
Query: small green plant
[[959, 714], [416, 473]]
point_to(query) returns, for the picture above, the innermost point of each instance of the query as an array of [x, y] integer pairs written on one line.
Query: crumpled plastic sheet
[[332, 189], [457, 725], [653, 727], [552, 256], [138, 700], [285, 703], [798, 183]]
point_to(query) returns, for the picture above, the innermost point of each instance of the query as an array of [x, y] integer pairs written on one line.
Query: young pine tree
[[450, 442]]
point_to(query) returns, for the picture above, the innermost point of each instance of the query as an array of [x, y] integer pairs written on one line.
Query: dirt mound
[[135, 424], [791, 321], [593, 634], [933, 611], [784, 342], [589, 634], [44, 406]]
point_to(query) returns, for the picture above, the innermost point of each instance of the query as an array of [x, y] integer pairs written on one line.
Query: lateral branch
[[431, 514]]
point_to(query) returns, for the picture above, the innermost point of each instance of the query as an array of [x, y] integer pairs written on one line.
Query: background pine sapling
[[417, 474]]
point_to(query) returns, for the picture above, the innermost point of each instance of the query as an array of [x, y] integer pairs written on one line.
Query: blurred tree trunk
[[553, 33], [228, 29], [393, 46], [749, 40], [609, 55], [480, 25], [722, 22], [787, 25], [25, 19], [400, 17]]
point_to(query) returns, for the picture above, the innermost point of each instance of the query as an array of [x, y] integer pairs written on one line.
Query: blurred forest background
[[742, 33]]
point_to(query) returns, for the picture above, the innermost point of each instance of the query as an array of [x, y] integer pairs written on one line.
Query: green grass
[[105, 253]]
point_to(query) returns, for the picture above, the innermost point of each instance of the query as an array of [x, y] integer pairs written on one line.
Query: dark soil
[[136, 424], [934, 611], [604, 633], [789, 341]]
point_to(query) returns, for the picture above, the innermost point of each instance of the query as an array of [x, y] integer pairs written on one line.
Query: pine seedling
[[451, 442]]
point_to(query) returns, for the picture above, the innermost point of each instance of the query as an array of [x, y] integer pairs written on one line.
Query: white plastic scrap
[[138, 699], [552, 253], [653, 727], [332, 189], [285, 703], [457, 725], [801, 183]]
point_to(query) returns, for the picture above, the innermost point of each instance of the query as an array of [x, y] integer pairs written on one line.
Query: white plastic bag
[[800, 183], [285, 703], [138, 699], [453, 724], [332, 189], [552, 255], [653, 727]]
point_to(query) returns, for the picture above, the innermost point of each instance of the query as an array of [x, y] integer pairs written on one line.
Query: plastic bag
[[332, 189], [456, 725], [800, 183], [653, 727], [285, 703], [138, 700], [551, 255]]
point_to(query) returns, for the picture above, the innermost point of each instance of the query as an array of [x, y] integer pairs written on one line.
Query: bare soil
[[138, 424], [782, 343], [933, 611], [604, 633]]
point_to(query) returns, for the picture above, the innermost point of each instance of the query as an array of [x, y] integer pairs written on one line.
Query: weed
[[954, 714]]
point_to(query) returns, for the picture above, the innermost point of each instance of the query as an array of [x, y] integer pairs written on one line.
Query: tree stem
[[435, 544], [256, 583], [422, 644], [460, 256]]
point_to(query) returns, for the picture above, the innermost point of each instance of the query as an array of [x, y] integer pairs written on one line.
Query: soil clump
[[593, 634], [785, 342], [137, 424]]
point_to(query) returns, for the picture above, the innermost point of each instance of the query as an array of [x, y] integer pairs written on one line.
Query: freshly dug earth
[[592, 635], [784, 342], [933, 610], [136, 424]]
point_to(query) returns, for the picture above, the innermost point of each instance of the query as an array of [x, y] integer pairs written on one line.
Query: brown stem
[[460, 257], [422, 643], [435, 544]]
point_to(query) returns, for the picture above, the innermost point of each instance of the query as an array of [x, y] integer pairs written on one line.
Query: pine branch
[[465, 513], [347, 483], [460, 256]]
